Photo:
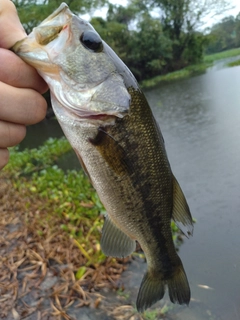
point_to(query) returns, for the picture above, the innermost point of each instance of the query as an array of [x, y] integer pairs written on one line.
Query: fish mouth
[[50, 28], [32, 48]]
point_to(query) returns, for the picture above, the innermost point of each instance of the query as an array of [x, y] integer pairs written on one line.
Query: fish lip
[[63, 7]]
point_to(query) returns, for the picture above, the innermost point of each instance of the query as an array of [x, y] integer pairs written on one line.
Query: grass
[[234, 63], [157, 313], [176, 75], [222, 55], [192, 69]]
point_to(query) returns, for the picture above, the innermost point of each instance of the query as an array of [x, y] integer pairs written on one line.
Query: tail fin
[[152, 289], [178, 287]]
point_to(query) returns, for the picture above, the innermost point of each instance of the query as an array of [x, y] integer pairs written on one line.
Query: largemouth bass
[[109, 124]]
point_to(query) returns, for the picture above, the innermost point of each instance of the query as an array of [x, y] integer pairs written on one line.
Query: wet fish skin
[[109, 123], [150, 200]]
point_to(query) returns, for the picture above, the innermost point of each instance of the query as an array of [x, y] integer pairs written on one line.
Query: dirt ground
[[38, 266]]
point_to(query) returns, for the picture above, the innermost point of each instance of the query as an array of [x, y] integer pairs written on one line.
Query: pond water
[[200, 121]]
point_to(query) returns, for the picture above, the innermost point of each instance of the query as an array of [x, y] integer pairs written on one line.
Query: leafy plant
[[29, 161], [66, 194]]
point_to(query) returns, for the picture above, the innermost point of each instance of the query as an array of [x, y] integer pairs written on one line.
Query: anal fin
[[115, 242], [181, 212]]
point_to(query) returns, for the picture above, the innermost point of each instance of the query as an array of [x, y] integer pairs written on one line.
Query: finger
[[15, 72], [11, 134], [22, 106], [10, 25], [4, 157]]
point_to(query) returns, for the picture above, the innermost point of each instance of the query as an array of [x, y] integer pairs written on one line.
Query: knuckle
[[11, 134], [41, 107], [34, 108]]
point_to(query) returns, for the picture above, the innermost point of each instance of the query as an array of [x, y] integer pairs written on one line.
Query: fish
[[109, 123]]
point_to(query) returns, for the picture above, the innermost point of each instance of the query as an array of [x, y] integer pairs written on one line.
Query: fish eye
[[91, 40]]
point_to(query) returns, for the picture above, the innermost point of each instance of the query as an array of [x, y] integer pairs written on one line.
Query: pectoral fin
[[181, 213], [114, 242], [113, 153]]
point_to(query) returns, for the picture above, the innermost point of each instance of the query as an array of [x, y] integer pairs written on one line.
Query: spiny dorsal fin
[[181, 213], [114, 242]]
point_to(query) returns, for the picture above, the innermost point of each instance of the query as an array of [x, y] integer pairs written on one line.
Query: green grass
[[176, 75], [222, 55], [234, 63], [159, 313], [193, 69]]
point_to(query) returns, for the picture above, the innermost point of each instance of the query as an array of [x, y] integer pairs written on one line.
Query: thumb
[[11, 29]]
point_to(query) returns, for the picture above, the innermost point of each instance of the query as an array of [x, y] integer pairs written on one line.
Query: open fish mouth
[[32, 48]]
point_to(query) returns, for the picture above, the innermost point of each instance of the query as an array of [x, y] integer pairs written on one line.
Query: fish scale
[[107, 120]]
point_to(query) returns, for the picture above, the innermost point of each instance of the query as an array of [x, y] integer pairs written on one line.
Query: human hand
[[21, 87]]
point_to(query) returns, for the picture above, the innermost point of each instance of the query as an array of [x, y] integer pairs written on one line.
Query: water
[[200, 121]]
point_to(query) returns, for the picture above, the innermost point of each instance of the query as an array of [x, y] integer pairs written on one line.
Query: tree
[[116, 34], [122, 14], [182, 19], [144, 48], [237, 30], [179, 15], [150, 52], [224, 35], [32, 12]]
